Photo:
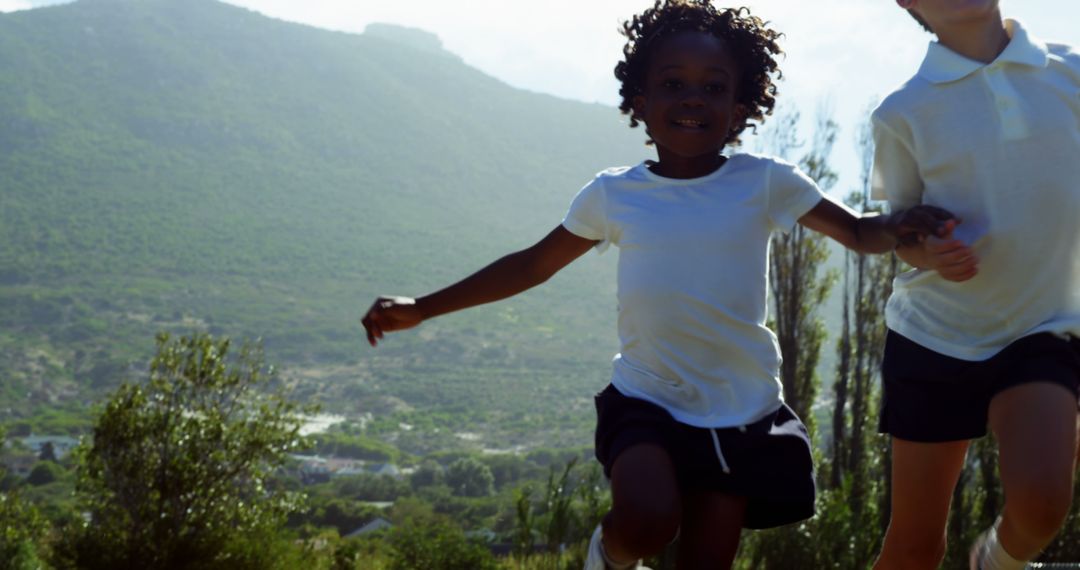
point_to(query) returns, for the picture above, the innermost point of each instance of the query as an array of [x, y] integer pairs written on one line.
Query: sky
[[841, 55]]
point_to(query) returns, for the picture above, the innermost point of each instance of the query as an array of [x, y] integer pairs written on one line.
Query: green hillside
[[182, 166]]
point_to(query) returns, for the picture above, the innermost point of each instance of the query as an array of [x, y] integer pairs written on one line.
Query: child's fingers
[[373, 323], [369, 329], [377, 323], [960, 256], [939, 246], [939, 214], [942, 214], [960, 278], [959, 267], [960, 275], [947, 227]]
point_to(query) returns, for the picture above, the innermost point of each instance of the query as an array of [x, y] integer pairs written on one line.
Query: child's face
[[945, 13], [689, 105]]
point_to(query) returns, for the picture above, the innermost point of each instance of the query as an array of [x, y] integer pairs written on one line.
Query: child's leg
[[646, 507], [711, 525], [1036, 429], [923, 475]]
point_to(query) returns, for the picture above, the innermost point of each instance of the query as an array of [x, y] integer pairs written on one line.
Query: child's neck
[[674, 166], [979, 40]]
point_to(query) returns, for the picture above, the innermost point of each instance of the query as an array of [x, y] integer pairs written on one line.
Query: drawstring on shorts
[[719, 452]]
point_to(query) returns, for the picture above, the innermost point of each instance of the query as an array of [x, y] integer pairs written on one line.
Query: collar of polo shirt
[[943, 65]]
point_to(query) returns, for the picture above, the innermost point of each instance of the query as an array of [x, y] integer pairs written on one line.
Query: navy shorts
[[769, 461], [929, 397]]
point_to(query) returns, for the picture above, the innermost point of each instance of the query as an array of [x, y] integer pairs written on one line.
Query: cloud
[[16, 5]]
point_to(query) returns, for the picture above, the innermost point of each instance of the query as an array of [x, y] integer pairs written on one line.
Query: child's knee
[[1039, 511], [646, 527]]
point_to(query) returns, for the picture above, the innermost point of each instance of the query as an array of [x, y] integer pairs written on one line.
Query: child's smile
[[689, 103]]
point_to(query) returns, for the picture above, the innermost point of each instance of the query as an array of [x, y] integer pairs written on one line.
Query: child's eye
[[672, 84], [715, 88]]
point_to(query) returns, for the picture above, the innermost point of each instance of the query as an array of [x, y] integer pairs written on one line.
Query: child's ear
[[741, 114], [905, 4], [638, 106]]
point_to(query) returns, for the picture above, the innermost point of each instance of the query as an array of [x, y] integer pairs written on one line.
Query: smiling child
[[692, 431]]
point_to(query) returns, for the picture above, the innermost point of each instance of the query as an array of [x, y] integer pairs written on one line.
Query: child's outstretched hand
[[390, 314]]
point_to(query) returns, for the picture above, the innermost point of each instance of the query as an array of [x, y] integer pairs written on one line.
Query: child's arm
[[504, 278], [950, 257], [875, 233]]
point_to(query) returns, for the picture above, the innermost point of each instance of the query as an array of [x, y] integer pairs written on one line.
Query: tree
[[798, 289], [429, 473], [523, 536], [437, 546], [22, 531], [558, 502], [44, 472], [48, 452], [470, 478], [795, 260], [179, 471], [859, 471]]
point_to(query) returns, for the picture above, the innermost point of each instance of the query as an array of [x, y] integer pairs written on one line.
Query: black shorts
[[769, 461], [929, 397]]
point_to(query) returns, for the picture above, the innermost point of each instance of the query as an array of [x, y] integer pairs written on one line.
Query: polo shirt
[[998, 145], [693, 281]]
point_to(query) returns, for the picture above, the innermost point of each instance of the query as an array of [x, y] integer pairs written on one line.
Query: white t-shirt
[[998, 145], [692, 282]]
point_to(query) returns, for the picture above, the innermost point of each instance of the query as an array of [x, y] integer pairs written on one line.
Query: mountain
[[185, 165]]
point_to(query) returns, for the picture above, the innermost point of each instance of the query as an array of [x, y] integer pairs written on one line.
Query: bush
[[439, 546], [44, 472]]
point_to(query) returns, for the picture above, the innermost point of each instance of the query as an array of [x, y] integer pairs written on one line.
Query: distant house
[[484, 535], [348, 471], [61, 444], [318, 469], [375, 525], [387, 469], [313, 469]]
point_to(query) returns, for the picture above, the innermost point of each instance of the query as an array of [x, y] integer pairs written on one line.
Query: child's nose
[[693, 99]]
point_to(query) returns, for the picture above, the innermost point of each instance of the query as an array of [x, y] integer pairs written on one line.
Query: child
[[985, 332], [692, 432]]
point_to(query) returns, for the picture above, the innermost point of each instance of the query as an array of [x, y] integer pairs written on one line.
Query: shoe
[[978, 550], [594, 558]]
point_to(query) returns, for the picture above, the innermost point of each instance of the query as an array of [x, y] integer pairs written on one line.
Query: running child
[[984, 331], [692, 431]]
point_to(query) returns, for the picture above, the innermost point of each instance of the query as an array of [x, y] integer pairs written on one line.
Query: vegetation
[[184, 166], [22, 530], [178, 471], [194, 168]]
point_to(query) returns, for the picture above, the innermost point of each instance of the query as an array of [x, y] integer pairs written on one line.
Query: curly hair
[[753, 47]]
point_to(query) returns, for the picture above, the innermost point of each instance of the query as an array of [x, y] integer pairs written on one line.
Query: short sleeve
[[587, 216], [791, 195], [895, 174]]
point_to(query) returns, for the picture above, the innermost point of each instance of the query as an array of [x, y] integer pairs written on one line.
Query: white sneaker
[[594, 559], [978, 550], [980, 547]]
